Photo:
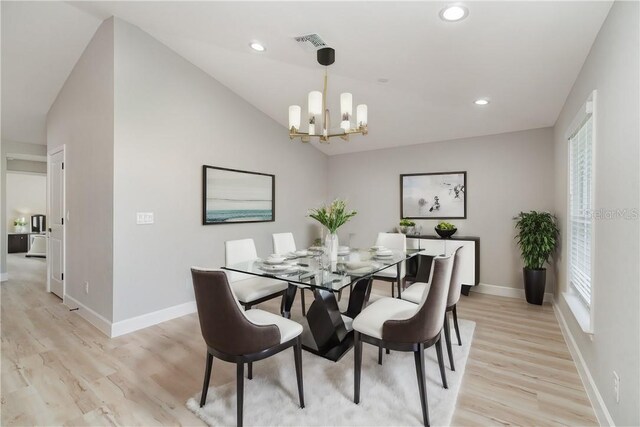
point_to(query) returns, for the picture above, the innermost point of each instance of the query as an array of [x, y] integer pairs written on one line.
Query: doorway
[[24, 209]]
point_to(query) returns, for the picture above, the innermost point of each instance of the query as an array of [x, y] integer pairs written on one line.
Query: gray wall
[[8, 148], [82, 118], [506, 173], [170, 119], [612, 68]]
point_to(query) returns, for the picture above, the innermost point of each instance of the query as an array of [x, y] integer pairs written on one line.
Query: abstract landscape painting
[[232, 196], [433, 195]]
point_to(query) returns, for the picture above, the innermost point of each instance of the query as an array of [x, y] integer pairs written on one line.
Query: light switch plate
[[143, 218]]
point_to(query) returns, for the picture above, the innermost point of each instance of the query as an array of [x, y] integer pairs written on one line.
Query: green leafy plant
[[537, 237], [443, 225], [407, 223], [20, 222], [333, 216]]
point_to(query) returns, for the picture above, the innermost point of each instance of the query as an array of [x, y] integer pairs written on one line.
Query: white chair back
[[236, 251], [396, 242], [283, 243]]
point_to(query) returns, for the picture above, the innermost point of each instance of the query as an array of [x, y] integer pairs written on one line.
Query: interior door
[[55, 252]]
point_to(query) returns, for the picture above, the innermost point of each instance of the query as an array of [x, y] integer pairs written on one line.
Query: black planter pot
[[534, 284]]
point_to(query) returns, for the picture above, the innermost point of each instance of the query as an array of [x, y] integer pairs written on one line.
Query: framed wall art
[[236, 196], [441, 195]]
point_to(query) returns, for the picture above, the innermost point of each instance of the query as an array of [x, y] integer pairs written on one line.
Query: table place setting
[[278, 264], [381, 252], [360, 267]]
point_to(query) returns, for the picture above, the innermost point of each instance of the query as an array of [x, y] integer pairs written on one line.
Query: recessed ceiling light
[[257, 47], [383, 80], [453, 13], [481, 101]]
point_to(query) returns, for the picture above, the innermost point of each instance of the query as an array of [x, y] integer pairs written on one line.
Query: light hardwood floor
[[59, 370]]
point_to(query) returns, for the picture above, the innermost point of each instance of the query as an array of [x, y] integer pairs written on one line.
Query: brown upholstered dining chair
[[403, 326], [239, 336], [414, 294]]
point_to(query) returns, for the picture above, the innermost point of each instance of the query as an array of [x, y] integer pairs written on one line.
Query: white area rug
[[389, 393]]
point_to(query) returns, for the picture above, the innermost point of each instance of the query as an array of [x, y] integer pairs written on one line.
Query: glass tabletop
[[312, 268]]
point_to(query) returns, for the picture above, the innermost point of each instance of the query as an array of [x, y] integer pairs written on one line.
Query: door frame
[[50, 153]]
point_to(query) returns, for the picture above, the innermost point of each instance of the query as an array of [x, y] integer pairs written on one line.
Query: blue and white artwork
[[434, 195], [237, 196]]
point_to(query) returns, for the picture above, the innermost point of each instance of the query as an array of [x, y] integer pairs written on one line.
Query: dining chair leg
[[379, 354], [297, 356], [420, 372], [388, 351], [443, 373], [207, 376], [357, 347], [304, 309], [447, 339], [393, 292], [455, 324], [240, 394], [250, 370]]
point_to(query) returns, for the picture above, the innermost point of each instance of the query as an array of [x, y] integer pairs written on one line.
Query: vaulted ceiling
[[523, 56]]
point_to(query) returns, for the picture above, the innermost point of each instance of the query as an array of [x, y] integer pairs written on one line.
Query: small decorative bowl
[[445, 234]]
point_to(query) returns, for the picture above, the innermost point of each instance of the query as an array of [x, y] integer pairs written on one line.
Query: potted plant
[[537, 238], [332, 217], [445, 229], [405, 225]]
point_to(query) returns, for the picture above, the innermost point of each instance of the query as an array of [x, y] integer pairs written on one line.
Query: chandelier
[[317, 109]]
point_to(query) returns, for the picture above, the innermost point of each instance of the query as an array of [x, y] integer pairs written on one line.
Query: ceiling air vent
[[314, 39]]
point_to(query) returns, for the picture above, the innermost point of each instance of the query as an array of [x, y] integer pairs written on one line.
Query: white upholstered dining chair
[[250, 290], [283, 244], [397, 242]]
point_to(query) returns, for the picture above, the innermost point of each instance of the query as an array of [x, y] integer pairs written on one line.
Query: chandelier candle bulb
[[361, 115], [294, 116], [315, 102]]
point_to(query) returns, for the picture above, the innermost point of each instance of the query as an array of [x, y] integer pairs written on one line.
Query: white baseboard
[[144, 321], [602, 413], [4, 277], [102, 324], [503, 291]]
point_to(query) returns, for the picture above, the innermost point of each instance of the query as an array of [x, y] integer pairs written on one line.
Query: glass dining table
[[327, 329]]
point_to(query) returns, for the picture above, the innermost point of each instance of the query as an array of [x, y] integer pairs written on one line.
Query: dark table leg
[[287, 300], [327, 335], [399, 280], [465, 290]]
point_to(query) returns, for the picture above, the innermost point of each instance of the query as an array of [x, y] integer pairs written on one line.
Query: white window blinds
[[581, 208]]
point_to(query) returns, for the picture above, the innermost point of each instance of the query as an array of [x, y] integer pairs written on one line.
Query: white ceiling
[[524, 56]]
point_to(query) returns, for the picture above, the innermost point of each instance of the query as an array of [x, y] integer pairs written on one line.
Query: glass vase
[[331, 246]]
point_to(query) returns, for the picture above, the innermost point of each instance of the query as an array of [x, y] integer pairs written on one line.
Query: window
[[581, 292], [580, 226]]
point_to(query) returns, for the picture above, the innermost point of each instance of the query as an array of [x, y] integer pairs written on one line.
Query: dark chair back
[[427, 323], [456, 278], [224, 326]]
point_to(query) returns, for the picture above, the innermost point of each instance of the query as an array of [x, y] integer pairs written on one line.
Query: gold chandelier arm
[[294, 133]]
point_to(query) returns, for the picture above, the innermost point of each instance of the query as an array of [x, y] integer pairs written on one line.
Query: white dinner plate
[[278, 268], [274, 262], [385, 255]]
